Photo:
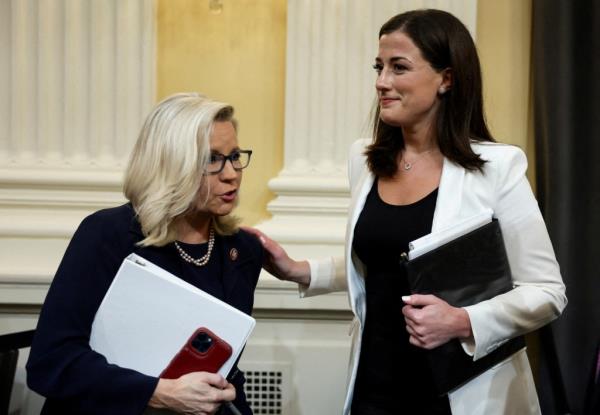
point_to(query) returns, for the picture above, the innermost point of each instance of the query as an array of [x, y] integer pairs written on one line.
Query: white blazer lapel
[[355, 284], [358, 200], [448, 204]]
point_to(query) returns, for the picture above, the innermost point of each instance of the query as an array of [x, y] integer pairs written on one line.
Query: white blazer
[[538, 296]]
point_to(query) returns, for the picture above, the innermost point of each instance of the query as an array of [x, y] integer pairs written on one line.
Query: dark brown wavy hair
[[444, 42]]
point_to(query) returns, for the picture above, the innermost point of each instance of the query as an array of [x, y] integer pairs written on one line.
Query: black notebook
[[465, 271]]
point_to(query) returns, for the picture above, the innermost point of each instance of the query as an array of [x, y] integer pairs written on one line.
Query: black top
[[61, 365], [387, 359]]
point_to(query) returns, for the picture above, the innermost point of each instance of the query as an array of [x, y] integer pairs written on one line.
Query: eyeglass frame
[[229, 157]]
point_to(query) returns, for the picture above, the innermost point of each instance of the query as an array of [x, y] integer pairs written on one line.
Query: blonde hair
[[167, 164]]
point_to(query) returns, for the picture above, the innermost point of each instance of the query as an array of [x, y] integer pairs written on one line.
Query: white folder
[[148, 314], [436, 239]]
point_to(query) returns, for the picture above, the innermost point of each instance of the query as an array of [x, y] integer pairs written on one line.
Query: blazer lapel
[[355, 282], [448, 204], [358, 200], [235, 260]]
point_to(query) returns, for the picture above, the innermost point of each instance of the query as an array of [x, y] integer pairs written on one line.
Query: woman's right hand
[[278, 263], [197, 393]]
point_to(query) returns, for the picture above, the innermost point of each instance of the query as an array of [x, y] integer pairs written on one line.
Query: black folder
[[465, 271]]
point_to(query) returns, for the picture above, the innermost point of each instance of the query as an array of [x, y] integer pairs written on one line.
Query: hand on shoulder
[[278, 263]]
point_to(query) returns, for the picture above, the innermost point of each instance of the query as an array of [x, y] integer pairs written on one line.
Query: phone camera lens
[[202, 342]]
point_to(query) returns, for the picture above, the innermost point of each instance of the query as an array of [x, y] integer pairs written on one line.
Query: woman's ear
[[446, 84]]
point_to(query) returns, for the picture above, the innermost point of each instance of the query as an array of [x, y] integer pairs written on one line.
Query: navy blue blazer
[[61, 365]]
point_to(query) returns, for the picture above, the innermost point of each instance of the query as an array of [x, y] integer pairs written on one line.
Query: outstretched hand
[[431, 322], [278, 263]]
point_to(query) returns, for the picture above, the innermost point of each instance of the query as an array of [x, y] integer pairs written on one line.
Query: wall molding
[[273, 299], [61, 178]]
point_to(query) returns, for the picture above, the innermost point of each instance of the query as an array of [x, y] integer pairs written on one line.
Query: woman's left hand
[[431, 322]]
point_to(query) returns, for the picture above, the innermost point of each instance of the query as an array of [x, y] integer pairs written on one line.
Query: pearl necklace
[[407, 165], [200, 262]]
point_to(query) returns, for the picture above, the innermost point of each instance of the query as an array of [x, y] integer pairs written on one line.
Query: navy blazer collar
[[235, 254], [236, 257]]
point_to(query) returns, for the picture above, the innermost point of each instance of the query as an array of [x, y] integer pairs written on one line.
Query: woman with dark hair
[[431, 164]]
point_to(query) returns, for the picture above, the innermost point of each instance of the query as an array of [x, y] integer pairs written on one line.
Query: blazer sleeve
[[62, 366], [329, 274], [539, 293]]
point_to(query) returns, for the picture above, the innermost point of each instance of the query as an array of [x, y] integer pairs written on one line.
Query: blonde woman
[[182, 184]]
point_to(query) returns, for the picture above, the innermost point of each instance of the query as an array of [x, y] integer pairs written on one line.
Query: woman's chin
[[226, 209], [390, 120]]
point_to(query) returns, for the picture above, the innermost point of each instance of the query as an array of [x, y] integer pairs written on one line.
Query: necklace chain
[[407, 165], [199, 262]]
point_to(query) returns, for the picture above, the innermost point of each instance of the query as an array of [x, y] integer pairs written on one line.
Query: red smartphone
[[203, 352]]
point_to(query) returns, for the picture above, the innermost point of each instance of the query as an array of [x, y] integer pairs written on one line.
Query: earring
[[442, 90]]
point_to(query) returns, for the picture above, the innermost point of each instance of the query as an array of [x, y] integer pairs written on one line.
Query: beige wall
[[236, 56], [504, 43]]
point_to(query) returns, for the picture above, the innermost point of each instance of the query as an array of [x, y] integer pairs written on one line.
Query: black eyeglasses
[[239, 160]]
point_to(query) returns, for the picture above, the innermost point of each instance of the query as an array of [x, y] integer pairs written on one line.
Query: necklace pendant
[[407, 165]]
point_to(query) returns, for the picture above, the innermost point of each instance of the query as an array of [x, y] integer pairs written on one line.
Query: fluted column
[[331, 46], [76, 79], [79, 77]]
